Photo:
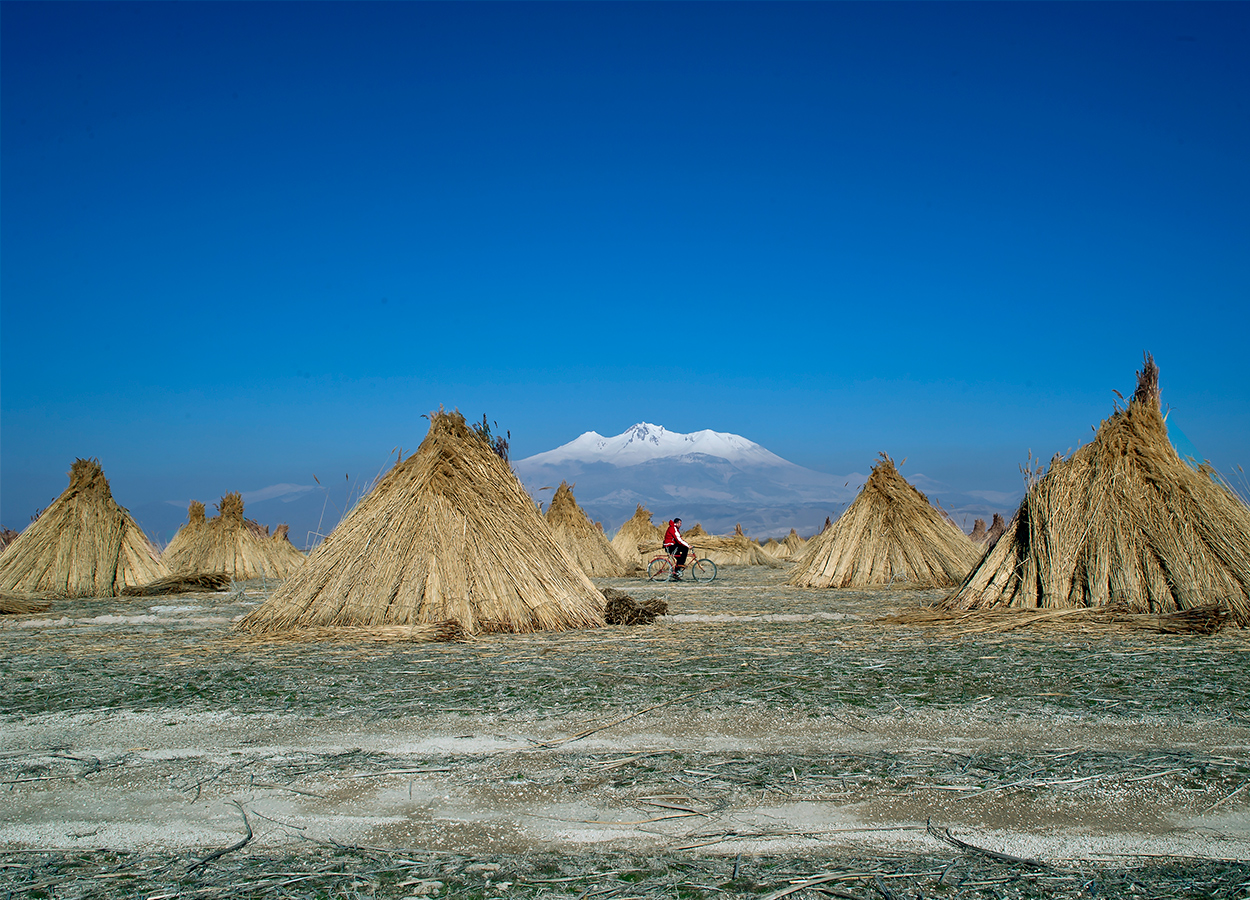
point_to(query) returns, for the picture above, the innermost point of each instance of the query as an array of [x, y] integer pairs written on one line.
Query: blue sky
[[245, 244]]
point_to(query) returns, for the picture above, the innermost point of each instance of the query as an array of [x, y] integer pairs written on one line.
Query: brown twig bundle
[[229, 544], [179, 584], [891, 534], [635, 532], [83, 545], [448, 534], [584, 542], [1122, 521], [622, 609]]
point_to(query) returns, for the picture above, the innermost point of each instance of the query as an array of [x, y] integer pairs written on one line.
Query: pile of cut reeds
[[230, 544], [448, 534], [1121, 522], [890, 535], [83, 545], [584, 542]]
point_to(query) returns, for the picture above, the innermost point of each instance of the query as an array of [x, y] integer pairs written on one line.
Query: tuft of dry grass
[[448, 534], [83, 545], [1122, 522], [587, 544], [229, 544], [891, 534]]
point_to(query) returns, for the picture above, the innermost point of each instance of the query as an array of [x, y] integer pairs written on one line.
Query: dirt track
[[758, 722]]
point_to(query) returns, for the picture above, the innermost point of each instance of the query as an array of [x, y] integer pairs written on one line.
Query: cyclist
[[676, 547]]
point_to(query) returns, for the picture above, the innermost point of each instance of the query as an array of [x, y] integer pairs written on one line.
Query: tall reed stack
[[447, 537], [1122, 522], [586, 544], [891, 534], [83, 545]]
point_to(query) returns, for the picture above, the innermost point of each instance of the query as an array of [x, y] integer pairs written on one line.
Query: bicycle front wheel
[[659, 569], [703, 570]]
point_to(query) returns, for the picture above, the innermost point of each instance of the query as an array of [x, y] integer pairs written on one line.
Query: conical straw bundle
[[891, 534], [977, 536], [636, 533], [996, 530], [586, 544], [83, 545], [230, 545], [1121, 522], [448, 535], [188, 534]]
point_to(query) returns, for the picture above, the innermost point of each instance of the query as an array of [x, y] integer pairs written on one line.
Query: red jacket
[[673, 536]]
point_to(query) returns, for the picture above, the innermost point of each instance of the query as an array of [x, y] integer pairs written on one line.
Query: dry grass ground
[[763, 739]]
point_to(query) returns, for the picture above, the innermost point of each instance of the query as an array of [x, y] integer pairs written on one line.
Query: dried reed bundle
[[448, 534], [727, 550], [20, 604], [1124, 522], [584, 542], [697, 531], [788, 548], [978, 532], [188, 534], [179, 584], [7, 536], [1198, 620], [83, 545], [635, 532], [228, 544], [774, 548], [997, 529], [890, 534]]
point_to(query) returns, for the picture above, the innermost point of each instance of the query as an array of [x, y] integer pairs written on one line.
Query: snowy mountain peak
[[644, 442]]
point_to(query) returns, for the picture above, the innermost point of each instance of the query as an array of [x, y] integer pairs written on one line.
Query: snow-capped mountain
[[711, 477], [644, 442]]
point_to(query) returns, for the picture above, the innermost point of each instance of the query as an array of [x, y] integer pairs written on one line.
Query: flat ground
[[759, 738]]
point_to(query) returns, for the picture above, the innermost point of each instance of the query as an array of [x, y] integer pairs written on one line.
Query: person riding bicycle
[[675, 547]]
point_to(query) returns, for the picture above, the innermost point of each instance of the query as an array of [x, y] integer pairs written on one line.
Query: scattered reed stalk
[[230, 544], [890, 534], [448, 534], [1121, 522], [587, 544], [179, 584], [83, 545]]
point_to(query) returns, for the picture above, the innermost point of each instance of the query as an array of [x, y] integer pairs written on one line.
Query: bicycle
[[661, 568]]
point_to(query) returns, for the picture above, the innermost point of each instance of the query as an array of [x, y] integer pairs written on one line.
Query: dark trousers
[[678, 551]]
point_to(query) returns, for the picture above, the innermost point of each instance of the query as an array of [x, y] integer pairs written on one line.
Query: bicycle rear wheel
[[703, 570], [659, 569]]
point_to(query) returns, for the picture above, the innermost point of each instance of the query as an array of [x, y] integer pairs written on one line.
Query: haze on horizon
[[248, 244]]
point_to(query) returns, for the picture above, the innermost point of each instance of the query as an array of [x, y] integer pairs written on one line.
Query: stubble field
[[760, 741]]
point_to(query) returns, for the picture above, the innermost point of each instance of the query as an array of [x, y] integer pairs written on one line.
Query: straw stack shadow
[[1122, 522]]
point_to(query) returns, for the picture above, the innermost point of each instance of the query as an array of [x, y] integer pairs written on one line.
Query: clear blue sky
[[244, 244]]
